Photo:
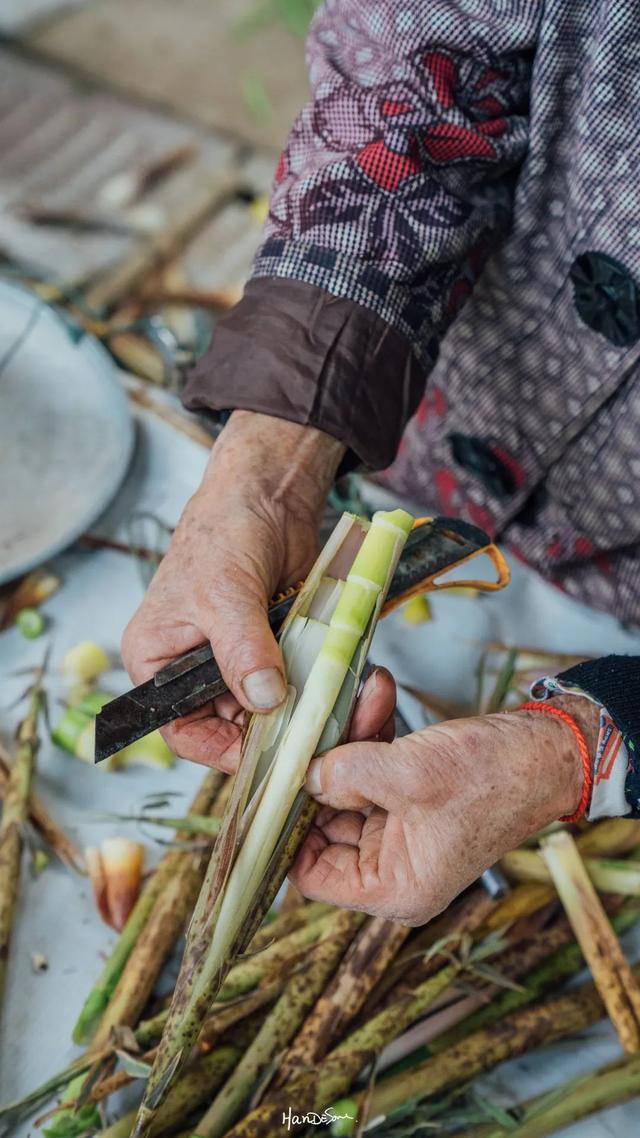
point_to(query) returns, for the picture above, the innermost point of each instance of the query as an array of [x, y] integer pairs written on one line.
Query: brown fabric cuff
[[294, 351]]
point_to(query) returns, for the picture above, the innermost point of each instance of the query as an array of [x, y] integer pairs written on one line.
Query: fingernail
[[264, 689], [312, 783], [370, 685]]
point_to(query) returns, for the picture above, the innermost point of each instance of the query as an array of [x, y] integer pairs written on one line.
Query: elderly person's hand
[[406, 825], [250, 529]]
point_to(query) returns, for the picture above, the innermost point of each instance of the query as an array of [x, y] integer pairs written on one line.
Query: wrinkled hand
[[250, 529], [405, 826]]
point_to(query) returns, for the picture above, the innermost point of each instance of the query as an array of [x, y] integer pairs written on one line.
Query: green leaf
[[136, 1068], [495, 1112], [73, 1123], [504, 681], [494, 976]]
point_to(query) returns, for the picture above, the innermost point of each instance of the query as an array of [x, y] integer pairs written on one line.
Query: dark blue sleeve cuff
[[614, 681]]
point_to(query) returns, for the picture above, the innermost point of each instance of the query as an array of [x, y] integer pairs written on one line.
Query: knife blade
[[194, 679]]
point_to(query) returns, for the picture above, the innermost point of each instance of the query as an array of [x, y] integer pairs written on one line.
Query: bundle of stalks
[[14, 815], [324, 643], [513, 1035], [280, 1026], [359, 974], [253, 983], [333, 1077], [512, 1023]]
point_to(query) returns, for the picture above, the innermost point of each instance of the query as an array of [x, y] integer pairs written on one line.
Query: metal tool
[[434, 546]]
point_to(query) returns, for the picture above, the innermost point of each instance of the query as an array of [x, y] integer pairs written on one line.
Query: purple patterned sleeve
[[396, 182], [397, 176]]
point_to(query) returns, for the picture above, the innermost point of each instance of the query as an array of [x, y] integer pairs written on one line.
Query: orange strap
[[549, 709]]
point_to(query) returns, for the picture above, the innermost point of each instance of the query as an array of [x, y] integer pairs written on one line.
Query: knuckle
[[338, 769], [130, 644]]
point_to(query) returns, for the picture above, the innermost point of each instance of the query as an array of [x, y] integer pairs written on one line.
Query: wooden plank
[[187, 54], [220, 255], [61, 143]]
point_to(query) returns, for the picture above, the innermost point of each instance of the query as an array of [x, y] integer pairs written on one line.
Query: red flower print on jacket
[[450, 139]]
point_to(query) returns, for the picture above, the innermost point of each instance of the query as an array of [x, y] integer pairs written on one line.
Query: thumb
[[356, 776], [245, 648]]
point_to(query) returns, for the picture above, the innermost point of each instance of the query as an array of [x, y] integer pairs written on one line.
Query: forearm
[[285, 463]]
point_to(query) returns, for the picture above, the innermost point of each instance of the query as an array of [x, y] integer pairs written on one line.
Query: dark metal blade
[[192, 680], [187, 683]]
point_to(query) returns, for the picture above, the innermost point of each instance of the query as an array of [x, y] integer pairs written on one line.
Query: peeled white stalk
[[348, 624], [594, 933]]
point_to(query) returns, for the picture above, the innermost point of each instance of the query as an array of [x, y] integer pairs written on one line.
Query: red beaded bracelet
[[583, 747]]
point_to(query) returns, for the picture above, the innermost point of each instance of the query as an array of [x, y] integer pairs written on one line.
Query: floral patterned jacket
[[449, 280]]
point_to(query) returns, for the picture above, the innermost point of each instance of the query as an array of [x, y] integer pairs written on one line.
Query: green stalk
[[279, 1027], [72, 1118], [247, 974], [515, 1034], [99, 996], [238, 868], [612, 1085], [288, 922], [169, 867], [191, 1090], [121, 1128], [14, 816], [503, 683], [609, 875], [48, 829], [195, 1086]]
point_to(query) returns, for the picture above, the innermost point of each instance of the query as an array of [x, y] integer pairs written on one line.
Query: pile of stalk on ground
[[372, 1025], [317, 1020]]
